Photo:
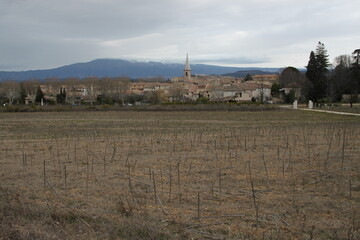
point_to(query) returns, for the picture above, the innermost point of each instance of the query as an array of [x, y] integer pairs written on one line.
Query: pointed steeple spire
[[187, 69], [187, 65]]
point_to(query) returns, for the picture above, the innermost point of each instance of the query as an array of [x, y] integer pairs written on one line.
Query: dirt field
[[179, 175]]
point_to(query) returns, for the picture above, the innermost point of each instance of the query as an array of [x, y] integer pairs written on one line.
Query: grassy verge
[[165, 107]]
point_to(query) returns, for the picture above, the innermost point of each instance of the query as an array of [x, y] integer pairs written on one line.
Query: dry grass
[[150, 175]]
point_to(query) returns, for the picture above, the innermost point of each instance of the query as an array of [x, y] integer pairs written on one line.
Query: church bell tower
[[187, 69]]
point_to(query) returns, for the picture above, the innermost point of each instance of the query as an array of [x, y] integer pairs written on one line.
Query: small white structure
[[295, 104], [311, 104]]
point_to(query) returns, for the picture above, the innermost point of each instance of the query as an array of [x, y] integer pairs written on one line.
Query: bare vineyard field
[[179, 175]]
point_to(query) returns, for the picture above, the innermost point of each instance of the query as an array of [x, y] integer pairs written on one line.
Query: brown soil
[[179, 175]]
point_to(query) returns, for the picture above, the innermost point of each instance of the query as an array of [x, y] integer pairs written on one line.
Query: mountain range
[[133, 69]]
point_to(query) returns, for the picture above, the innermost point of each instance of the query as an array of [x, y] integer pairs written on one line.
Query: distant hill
[[117, 67], [243, 73]]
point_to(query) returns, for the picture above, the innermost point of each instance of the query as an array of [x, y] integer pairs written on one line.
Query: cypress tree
[[61, 97], [317, 69], [39, 95], [311, 74], [311, 67], [64, 95], [23, 93]]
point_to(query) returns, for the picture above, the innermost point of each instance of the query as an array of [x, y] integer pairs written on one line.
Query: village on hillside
[[186, 88], [322, 83]]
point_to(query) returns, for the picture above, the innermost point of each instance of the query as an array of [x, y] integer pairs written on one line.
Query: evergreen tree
[[317, 70], [311, 67], [248, 77], [39, 95], [61, 97], [356, 56], [275, 90], [64, 95], [322, 58], [355, 77], [22, 94], [311, 74]]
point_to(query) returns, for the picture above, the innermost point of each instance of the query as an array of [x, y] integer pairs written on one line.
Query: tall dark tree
[[291, 75], [317, 70], [61, 97], [22, 93], [275, 90], [322, 58], [248, 77], [39, 95], [355, 77], [356, 56], [311, 72], [339, 80]]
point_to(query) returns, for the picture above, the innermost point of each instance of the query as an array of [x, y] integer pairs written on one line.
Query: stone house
[[253, 90], [224, 93], [268, 79], [291, 87]]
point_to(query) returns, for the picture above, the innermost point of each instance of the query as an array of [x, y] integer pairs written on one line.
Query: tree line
[[106, 90], [59, 91], [322, 81]]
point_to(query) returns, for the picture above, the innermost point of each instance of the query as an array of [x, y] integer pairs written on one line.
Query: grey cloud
[[232, 61], [44, 33]]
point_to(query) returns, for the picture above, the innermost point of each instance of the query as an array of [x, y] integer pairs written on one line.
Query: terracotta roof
[[266, 75], [138, 84], [231, 88], [252, 86], [193, 88]]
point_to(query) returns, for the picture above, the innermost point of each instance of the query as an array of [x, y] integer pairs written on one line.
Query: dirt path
[[325, 111]]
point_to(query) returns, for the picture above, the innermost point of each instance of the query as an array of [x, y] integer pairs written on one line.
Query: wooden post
[[161, 180], [343, 148], [253, 194], [170, 183], [245, 145], [178, 173], [155, 194], [219, 182], [266, 171], [212, 190], [44, 175], [65, 183], [198, 206], [350, 190], [105, 161], [87, 177], [129, 173], [150, 176]]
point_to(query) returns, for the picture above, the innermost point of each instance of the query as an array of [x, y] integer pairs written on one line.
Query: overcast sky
[[39, 34]]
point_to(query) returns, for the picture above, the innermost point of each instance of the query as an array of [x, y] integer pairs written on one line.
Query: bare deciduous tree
[[175, 92], [11, 90], [291, 75], [91, 85], [31, 86], [120, 87]]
